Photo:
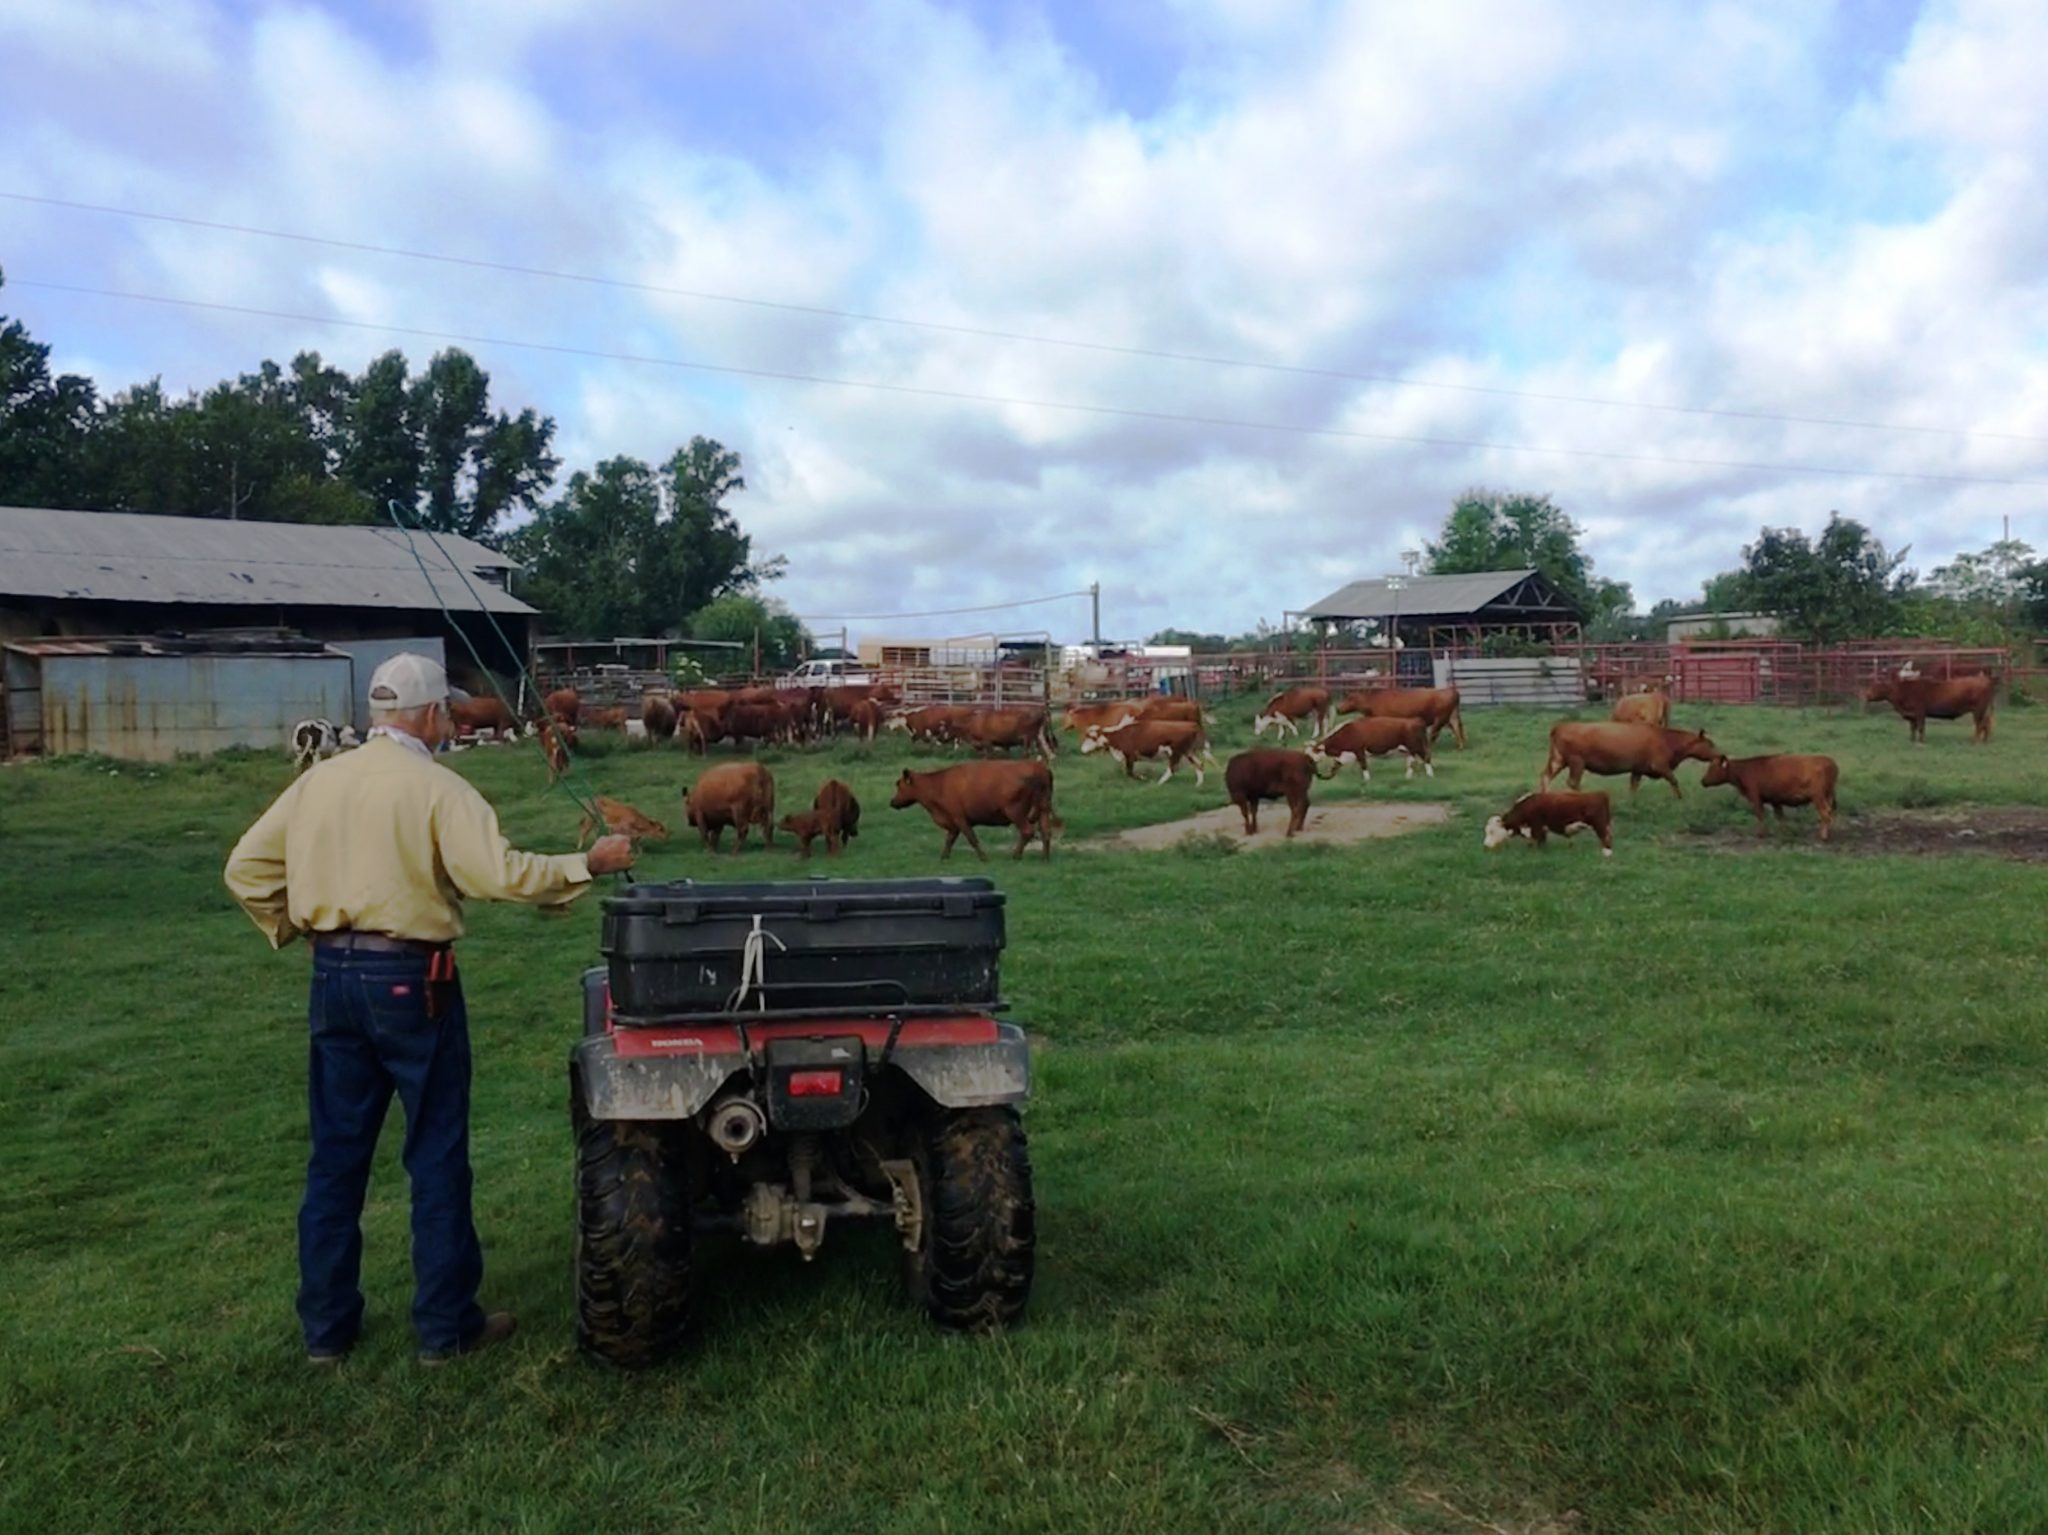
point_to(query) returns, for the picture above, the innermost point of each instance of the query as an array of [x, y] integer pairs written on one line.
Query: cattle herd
[[1638, 740]]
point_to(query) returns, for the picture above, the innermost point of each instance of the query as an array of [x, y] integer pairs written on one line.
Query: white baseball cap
[[408, 681]]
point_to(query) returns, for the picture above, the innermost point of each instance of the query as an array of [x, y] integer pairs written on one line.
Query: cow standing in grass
[[1920, 699], [1779, 781], [1641, 751]]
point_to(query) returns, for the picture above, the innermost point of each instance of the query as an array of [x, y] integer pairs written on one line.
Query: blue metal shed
[[153, 700]]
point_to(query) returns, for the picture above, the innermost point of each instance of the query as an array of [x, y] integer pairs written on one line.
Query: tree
[[627, 551], [1500, 530], [44, 422], [1201, 644], [753, 620], [1843, 585]]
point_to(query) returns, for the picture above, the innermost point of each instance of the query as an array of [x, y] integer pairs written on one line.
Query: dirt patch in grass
[[2000, 831], [1332, 823]]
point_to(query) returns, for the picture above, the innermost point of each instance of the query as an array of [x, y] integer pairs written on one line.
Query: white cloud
[[1675, 204]]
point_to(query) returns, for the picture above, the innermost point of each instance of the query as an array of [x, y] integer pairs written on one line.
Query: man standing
[[369, 856]]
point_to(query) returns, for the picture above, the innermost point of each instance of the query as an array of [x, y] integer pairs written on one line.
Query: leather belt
[[375, 943]]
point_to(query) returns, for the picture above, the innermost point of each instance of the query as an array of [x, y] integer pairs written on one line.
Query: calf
[[1920, 699], [1437, 708], [736, 794], [555, 740], [1270, 773], [1357, 742], [1641, 751], [1536, 816], [807, 826], [623, 819], [1779, 781], [612, 718], [315, 739], [1285, 709], [972, 794], [1170, 741]]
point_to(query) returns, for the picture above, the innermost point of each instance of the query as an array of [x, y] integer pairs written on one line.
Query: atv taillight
[[816, 1084]]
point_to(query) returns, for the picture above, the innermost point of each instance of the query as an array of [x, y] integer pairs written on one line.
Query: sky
[[1219, 303]]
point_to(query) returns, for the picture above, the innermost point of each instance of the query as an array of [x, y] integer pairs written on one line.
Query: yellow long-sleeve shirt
[[384, 839]]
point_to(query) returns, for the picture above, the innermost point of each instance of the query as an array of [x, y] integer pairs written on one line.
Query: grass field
[[1397, 1187]]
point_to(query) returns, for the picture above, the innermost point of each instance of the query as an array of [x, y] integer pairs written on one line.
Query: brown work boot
[[498, 1326]]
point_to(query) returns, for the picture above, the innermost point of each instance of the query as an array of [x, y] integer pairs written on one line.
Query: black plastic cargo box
[[869, 945]]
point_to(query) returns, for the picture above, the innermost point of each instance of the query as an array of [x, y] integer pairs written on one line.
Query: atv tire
[[972, 1269], [632, 1239]]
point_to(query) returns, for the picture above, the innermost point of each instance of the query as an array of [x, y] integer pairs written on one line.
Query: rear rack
[[789, 1014]]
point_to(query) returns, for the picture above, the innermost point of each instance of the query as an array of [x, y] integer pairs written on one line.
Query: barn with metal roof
[[1447, 612], [358, 593]]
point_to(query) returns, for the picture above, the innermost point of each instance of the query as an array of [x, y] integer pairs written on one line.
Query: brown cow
[[1270, 772], [622, 818], [1536, 816], [972, 794], [610, 718], [1285, 709], [1170, 741], [565, 705], [1920, 699], [1083, 718], [1652, 706], [735, 794], [1641, 751], [699, 728], [1164, 706], [994, 730], [750, 722], [1357, 742], [1779, 781], [659, 716], [477, 715], [865, 717], [1437, 708]]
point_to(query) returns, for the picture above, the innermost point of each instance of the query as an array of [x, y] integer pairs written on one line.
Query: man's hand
[[608, 855]]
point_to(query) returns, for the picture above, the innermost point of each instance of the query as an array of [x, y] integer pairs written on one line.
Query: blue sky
[[1786, 210]]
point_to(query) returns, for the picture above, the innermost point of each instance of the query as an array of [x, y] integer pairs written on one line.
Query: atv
[[770, 1060]]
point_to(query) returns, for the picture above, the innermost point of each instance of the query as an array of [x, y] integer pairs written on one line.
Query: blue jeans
[[371, 1036]]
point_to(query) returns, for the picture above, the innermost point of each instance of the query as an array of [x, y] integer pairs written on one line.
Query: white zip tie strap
[[753, 966]]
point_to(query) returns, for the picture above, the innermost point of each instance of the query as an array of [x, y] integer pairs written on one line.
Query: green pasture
[[1397, 1187]]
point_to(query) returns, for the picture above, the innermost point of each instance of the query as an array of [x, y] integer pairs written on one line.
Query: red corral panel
[[1719, 679]]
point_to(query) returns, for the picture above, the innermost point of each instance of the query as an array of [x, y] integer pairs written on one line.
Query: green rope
[[586, 800]]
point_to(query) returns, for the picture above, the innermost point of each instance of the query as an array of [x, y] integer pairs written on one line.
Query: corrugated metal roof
[[128, 557], [1419, 596]]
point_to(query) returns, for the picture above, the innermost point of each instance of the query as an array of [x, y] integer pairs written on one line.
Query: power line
[[1120, 412], [992, 607], [1156, 354]]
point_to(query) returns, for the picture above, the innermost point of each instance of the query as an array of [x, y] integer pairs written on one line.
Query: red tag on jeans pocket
[[401, 991]]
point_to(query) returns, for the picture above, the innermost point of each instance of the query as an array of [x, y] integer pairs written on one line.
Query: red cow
[[993, 730], [935, 723], [1270, 773], [866, 719], [834, 815], [1084, 718], [1652, 706], [477, 715], [1357, 742], [659, 716], [1437, 708], [736, 794], [1920, 699], [1779, 781], [564, 704], [1536, 816], [972, 794], [623, 819], [1641, 751], [1284, 711]]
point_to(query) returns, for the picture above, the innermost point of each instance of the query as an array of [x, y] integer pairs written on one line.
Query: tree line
[[626, 548]]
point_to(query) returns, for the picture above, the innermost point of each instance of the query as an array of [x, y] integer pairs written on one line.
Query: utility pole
[[1095, 613]]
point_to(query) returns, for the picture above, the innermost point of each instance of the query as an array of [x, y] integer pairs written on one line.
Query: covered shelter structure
[[1453, 613]]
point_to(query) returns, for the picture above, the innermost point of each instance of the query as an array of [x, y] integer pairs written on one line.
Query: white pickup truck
[[829, 674]]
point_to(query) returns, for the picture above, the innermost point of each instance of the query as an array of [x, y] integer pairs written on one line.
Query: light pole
[[1394, 585]]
